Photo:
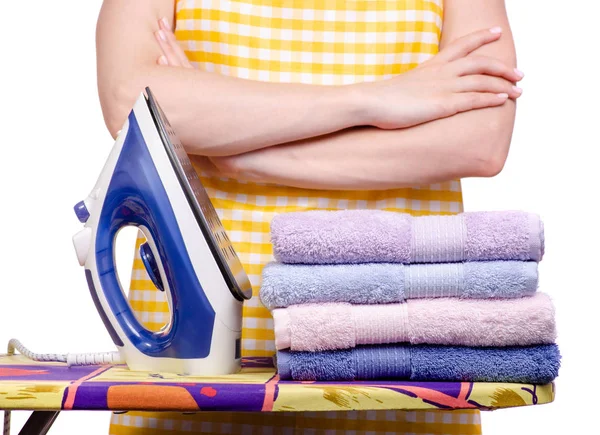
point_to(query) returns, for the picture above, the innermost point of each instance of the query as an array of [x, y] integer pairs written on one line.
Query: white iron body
[[224, 356]]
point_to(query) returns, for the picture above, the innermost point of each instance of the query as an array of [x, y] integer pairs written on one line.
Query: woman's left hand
[[173, 54]]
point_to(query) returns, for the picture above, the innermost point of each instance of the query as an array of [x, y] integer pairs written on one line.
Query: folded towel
[[380, 283], [374, 236], [507, 322], [532, 364]]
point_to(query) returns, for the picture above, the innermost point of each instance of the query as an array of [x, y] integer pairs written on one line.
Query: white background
[[53, 144]]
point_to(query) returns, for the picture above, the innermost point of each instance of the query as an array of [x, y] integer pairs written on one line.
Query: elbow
[[488, 153], [113, 125], [116, 101], [489, 165]]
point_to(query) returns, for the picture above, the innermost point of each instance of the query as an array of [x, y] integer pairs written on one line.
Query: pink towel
[[446, 321]]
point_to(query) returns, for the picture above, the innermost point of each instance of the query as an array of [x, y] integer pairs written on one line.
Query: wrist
[[347, 103], [359, 103]]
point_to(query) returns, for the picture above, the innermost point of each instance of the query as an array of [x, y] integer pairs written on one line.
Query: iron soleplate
[[199, 201]]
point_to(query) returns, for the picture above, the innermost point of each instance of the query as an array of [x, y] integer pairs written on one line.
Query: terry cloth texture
[[527, 364], [382, 283], [378, 236], [507, 322]]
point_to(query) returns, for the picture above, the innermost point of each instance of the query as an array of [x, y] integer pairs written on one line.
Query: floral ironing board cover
[[28, 385]]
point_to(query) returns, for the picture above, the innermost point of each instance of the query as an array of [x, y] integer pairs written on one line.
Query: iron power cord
[[72, 359]]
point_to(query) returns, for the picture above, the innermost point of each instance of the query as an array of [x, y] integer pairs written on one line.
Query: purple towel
[[377, 236]]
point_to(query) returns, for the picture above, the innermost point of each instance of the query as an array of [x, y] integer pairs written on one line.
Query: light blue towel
[[527, 364], [379, 283]]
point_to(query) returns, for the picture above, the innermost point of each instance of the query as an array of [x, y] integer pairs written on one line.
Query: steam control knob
[[82, 212]]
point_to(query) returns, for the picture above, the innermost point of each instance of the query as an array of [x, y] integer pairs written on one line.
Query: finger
[[466, 101], [467, 44], [485, 65], [166, 48], [177, 50], [168, 59], [483, 83]]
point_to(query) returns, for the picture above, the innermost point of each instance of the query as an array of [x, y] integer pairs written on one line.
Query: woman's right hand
[[451, 82]]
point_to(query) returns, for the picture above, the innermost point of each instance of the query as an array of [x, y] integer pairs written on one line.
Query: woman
[[289, 105]]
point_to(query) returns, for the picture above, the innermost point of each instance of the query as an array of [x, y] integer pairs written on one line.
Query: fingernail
[[496, 29], [517, 89], [163, 60], [162, 35], [519, 73], [503, 96], [165, 23]]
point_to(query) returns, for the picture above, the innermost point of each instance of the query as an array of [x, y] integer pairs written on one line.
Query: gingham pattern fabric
[[309, 41], [464, 422], [327, 42]]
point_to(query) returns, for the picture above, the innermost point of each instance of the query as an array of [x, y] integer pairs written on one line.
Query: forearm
[[371, 159], [212, 114], [471, 143], [490, 128], [217, 116]]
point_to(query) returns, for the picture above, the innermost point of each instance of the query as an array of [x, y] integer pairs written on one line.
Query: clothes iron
[[148, 182]]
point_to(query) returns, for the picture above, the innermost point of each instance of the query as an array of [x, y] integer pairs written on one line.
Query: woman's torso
[[322, 42]]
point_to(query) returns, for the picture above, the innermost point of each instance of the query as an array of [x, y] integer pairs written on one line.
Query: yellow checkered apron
[[326, 42]]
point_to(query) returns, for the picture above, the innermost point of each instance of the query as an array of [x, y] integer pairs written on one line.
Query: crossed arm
[[450, 118]]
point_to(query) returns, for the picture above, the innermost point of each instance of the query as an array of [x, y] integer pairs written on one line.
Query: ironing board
[[48, 388]]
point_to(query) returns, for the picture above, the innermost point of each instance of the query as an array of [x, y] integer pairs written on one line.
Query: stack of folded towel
[[370, 294]]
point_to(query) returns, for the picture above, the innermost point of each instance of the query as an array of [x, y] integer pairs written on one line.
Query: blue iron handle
[[136, 196], [144, 340]]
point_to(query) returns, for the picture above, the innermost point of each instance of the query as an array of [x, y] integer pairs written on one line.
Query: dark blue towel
[[527, 364]]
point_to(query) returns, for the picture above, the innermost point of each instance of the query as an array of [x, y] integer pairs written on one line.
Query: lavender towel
[[465, 322], [530, 364], [377, 236], [380, 283]]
